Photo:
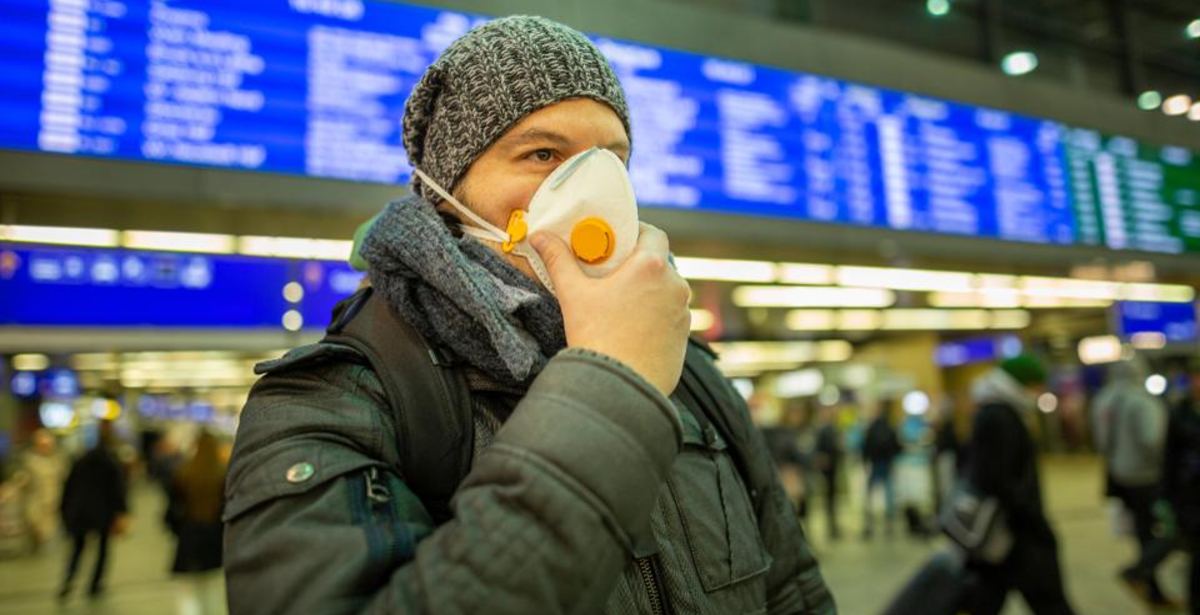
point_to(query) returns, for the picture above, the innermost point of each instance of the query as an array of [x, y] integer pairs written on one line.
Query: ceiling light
[[834, 351], [805, 273], [294, 247], [905, 279], [1149, 100], [1019, 63], [1177, 104], [811, 296], [1035, 286], [1099, 349], [178, 242], [1156, 384], [1193, 29], [915, 403], [939, 320], [1194, 112], [1167, 293], [800, 383], [937, 8], [1010, 319], [1047, 402], [30, 362], [293, 320], [987, 298], [859, 320], [60, 235], [1148, 340], [811, 320], [726, 270]]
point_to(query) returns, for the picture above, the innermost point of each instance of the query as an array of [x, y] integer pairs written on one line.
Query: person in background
[[1130, 429], [880, 448], [197, 494], [828, 463], [1003, 464], [1181, 479], [784, 443], [948, 458], [94, 501], [45, 471]]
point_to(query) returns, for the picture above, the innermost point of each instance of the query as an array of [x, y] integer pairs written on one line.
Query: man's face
[[504, 178]]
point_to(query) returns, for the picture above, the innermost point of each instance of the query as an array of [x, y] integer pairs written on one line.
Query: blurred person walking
[[94, 502], [46, 471], [1130, 430], [828, 462], [1002, 464], [1181, 479], [196, 492], [880, 447]]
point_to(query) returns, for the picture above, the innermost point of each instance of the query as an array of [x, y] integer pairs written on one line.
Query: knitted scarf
[[461, 294]]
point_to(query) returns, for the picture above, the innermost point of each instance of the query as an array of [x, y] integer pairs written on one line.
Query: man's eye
[[542, 155]]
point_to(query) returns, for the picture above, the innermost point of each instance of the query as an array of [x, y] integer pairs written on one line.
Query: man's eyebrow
[[618, 146], [537, 135]]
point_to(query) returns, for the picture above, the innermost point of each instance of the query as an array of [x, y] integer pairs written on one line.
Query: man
[[595, 484], [94, 502], [1130, 428], [1002, 463], [880, 447]]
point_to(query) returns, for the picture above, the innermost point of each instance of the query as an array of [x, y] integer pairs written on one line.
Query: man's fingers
[[560, 263]]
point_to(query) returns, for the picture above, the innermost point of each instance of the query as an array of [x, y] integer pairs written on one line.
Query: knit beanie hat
[[491, 78], [1025, 369]]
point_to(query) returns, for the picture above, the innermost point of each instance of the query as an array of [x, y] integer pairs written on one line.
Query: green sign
[[1133, 195]]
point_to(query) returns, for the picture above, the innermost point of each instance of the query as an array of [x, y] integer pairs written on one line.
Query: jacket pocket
[[715, 510]]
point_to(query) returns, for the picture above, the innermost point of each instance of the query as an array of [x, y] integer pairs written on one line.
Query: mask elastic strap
[[497, 233]]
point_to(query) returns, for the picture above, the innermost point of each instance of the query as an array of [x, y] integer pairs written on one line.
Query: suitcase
[[938, 588]]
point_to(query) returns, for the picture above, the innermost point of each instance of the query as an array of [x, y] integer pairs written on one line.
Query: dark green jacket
[[588, 493]]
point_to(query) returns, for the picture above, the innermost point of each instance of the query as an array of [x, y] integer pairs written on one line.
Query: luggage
[[938, 588]]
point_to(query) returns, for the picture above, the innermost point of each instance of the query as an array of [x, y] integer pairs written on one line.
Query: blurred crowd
[[49, 494], [914, 467], [920, 469]]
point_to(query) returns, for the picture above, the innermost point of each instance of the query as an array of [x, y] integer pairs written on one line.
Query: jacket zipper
[[645, 566]]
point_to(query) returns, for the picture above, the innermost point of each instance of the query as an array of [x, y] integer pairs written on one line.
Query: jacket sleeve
[[542, 523]]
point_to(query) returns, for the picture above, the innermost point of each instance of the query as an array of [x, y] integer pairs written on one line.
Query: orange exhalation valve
[[517, 228], [593, 241]]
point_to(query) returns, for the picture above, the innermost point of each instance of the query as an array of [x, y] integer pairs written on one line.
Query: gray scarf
[[461, 295]]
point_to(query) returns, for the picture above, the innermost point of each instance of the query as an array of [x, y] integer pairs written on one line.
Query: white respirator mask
[[587, 202]]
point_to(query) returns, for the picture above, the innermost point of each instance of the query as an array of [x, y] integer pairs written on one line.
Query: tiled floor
[[863, 575]]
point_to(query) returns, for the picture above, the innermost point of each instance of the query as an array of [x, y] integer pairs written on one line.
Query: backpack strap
[[429, 398], [707, 388]]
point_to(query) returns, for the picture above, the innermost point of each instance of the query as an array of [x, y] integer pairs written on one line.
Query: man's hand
[[638, 314]]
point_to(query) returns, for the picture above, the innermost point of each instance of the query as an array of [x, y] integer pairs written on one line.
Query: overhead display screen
[[49, 286], [1176, 322], [1133, 195], [317, 87]]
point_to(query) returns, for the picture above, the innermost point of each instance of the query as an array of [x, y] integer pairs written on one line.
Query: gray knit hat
[[490, 79]]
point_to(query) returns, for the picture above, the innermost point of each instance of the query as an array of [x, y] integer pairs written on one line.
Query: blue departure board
[[85, 287], [317, 87], [1176, 322]]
